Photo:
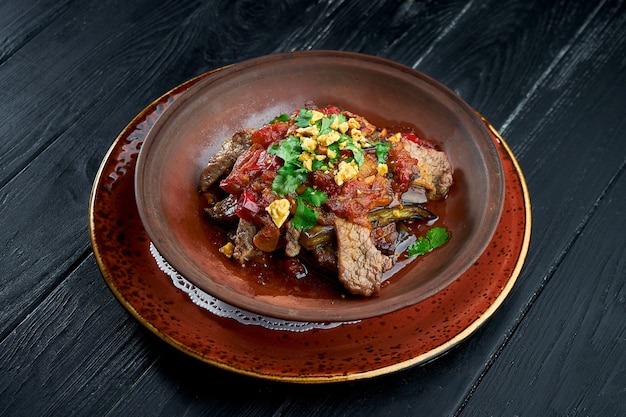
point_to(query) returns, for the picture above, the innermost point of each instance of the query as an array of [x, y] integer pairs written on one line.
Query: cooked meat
[[385, 237], [326, 186], [224, 210], [267, 238], [223, 161], [292, 235], [361, 265], [325, 256], [244, 246], [435, 170]]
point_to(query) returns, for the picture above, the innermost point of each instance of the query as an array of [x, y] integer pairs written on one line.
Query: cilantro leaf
[[325, 123], [420, 247], [382, 150], [303, 119], [317, 165], [289, 177], [437, 236], [282, 118], [434, 238], [288, 149], [305, 217], [357, 152], [314, 197]]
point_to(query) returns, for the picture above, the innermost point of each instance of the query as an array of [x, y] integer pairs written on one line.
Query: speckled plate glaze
[[365, 349]]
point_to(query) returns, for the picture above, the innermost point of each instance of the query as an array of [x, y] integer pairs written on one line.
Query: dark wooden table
[[549, 75]]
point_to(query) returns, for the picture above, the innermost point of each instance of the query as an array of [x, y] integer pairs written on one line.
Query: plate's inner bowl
[[252, 93]]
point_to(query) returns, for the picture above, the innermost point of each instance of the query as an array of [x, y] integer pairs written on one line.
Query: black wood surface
[[549, 75]]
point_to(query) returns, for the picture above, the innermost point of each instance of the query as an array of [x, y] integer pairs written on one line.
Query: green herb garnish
[[289, 178], [434, 238], [324, 125], [303, 119], [382, 150], [357, 152], [288, 149], [305, 217], [282, 118], [292, 174]]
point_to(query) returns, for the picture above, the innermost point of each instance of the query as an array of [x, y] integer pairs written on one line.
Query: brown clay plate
[[250, 93], [349, 351]]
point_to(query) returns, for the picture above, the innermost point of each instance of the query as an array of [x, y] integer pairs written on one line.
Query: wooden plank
[[66, 86], [65, 146], [567, 357], [496, 52], [580, 309], [75, 354], [21, 22], [449, 374], [180, 379]]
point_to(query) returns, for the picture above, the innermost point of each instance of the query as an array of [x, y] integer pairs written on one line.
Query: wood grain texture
[[573, 365], [20, 23], [51, 82], [495, 53], [82, 350], [57, 153], [587, 291], [549, 74]]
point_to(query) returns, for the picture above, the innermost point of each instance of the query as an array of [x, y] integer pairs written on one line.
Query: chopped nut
[[382, 169], [346, 171], [279, 211], [353, 124], [395, 138], [329, 138], [228, 249], [316, 115], [308, 131], [307, 160], [356, 134], [308, 143]]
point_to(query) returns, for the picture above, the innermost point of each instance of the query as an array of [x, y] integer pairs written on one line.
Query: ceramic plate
[[292, 351]]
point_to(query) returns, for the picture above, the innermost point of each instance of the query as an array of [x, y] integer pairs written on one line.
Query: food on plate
[[328, 189]]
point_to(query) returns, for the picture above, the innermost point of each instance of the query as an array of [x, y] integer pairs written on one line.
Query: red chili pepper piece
[[270, 134]]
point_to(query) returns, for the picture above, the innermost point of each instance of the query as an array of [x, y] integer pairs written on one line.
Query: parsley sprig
[[382, 150], [292, 174], [434, 238], [303, 119], [305, 217]]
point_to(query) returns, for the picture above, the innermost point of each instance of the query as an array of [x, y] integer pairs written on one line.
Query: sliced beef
[[415, 167], [325, 256], [244, 246], [223, 161], [360, 264], [385, 238], [292, 236], [224, 210], [435, 170]]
